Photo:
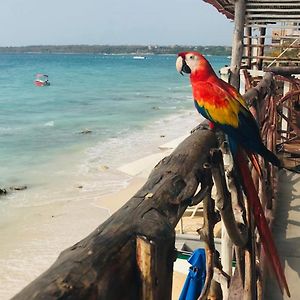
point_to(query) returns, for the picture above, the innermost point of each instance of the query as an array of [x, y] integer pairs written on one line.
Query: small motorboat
[[41, 80], [139, 57]]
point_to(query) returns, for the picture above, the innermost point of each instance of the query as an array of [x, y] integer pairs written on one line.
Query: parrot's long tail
[[271, 157], [254, 161], [261, 222]]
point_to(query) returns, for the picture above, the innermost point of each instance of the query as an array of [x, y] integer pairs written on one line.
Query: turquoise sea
[[129, 105]]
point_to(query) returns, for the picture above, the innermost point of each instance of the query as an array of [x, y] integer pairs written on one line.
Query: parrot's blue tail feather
[[271, 157]]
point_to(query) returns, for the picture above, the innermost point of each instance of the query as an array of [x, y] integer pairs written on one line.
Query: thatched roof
[[225, 7], [262, 11]]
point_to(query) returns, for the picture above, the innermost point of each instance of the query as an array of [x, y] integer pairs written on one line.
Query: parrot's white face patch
[[192, 61]]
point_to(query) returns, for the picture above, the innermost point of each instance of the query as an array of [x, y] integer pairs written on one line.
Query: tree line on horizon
[[120, 49]]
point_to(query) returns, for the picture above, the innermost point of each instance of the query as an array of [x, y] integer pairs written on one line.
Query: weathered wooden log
[[284, 70], [109, 263]]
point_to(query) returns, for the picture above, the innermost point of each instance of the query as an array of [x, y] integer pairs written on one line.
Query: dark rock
[[85, 131], [3, 191], [18, 187]]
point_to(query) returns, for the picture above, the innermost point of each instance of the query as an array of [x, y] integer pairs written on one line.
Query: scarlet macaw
[[222, 104]]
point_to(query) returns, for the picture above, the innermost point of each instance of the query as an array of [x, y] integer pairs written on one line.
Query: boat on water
[[41, 80], [139, 57]]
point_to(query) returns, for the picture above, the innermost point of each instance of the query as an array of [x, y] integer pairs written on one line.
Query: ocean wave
[[6, 129], [49, 124]]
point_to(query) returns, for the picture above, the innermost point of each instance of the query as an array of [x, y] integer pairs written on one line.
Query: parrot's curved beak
[[181, 66]]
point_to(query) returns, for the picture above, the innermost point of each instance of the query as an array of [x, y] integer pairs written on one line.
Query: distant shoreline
[[116, 49]]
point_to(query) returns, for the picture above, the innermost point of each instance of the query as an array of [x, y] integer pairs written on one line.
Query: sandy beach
[[43, 231]]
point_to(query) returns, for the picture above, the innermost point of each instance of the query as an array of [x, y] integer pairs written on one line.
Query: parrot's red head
[[195, 64]]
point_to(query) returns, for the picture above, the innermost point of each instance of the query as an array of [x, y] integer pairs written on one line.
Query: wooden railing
[[131, 255]]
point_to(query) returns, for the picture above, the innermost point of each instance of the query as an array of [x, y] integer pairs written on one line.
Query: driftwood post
[[237, 43], [130, 256]]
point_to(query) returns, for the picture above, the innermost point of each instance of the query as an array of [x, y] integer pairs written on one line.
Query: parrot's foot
[[202, 126]]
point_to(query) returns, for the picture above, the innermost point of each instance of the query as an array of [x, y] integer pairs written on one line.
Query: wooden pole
[[248, 50], [237, 44], [261, 50]]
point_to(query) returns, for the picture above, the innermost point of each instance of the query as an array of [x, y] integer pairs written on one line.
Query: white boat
[[139, 57]]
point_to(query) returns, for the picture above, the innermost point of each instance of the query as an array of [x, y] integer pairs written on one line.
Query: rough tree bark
[[109, 263]]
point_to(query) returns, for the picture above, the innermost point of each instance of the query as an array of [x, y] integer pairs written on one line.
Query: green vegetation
[[122, 49]]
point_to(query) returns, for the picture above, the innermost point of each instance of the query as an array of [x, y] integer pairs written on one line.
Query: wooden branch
[[250, 265], [236, 288], [261, 90], [222, 278], [108, 263], [237, 231], [207, 236]]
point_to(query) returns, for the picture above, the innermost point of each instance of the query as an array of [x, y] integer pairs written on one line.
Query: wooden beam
[[274, 46], [274, 5], [248, 50], [275, 58], [270, 23], [260, 52], [285, 71], [271, 1], [270, 36], [273, 11], [237, 44]]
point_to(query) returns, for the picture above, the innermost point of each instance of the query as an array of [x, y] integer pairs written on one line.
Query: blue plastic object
[[196, 277]]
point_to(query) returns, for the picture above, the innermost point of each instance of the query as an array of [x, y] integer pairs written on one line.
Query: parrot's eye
[[192, 57]]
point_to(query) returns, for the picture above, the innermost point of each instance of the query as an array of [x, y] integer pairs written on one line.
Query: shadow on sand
[[286, 230]]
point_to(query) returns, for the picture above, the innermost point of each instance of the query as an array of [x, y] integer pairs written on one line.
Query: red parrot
[[222, 104]]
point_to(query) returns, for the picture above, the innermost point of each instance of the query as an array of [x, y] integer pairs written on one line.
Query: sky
[[114, 22]]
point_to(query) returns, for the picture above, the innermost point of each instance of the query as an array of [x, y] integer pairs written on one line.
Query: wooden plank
[[281, 16], [145, 253], [272, 58], [273, 10], [270, 36], [260, 50], [272, 1], [274, 46], [248, 50], [271, 5], [292, 148], [271, 24]]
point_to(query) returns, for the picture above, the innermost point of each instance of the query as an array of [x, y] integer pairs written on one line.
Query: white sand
[[41, 232]]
